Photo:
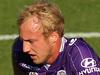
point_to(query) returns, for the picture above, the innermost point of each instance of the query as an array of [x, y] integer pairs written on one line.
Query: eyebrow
[[22, 39], [25, 40]]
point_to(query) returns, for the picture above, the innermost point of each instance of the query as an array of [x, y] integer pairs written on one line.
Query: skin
[[40, 49]]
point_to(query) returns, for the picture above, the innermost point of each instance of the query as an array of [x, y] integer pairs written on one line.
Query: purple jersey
[[75, 57]]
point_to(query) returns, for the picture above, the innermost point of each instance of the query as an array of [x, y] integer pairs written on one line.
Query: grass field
[[80, 16]]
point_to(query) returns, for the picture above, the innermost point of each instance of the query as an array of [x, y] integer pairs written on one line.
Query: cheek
[[44, 49], [41, 47]]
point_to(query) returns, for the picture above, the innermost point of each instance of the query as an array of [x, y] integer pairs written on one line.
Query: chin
[[38, 62]]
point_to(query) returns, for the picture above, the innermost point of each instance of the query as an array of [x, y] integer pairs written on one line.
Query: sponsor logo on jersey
[[24, 65], [88, 62], [72, 41], [61, 72], [33, 73], [90, 66]]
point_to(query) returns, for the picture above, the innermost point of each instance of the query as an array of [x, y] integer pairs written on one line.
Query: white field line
[[84, 35], [8, 37], [79, 34]]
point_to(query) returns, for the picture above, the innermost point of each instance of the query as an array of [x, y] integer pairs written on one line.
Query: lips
[[32, 56], [32, 53]]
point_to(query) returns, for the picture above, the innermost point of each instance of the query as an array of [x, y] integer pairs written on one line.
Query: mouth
[[32, 56]]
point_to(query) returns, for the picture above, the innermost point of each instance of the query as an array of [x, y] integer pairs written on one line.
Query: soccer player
[[42, 49]]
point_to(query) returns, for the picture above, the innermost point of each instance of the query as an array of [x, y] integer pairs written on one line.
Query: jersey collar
[[62, 44]]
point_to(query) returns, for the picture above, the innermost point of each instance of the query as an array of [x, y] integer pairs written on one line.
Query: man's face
[[34, 43]]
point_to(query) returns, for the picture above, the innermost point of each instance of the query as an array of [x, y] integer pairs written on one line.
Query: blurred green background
[[80, 16]]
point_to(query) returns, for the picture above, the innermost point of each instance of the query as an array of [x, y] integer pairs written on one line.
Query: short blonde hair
[[48, 14]]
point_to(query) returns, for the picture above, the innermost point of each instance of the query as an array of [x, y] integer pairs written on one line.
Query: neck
[[55, 51]]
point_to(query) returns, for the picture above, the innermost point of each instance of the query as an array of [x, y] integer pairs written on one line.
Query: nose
[[26, 46]]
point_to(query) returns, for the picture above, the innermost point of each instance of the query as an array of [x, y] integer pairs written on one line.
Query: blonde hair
[[48, 14]]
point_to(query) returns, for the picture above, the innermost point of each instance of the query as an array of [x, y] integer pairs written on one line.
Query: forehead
[[32, 23], [30, 27]]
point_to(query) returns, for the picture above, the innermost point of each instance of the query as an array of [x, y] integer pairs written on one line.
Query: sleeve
[[15, 49], [83, 59], [22, 63]]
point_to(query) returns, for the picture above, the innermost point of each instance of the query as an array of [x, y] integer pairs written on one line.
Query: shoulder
[[79, 45], [81, 56]]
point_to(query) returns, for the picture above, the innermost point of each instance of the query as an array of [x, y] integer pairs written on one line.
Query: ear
[[53, 37]]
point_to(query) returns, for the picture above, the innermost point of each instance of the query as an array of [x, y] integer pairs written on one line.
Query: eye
[[30, 41]]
